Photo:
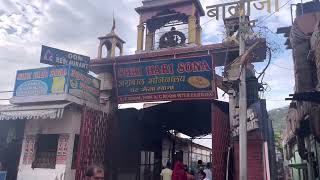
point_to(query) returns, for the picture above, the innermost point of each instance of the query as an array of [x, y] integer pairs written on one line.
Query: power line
[[281, 67], [273, 12], [276, 100], [6, 91]]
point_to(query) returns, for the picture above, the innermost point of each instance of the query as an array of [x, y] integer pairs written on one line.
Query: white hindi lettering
[[230, 10], [262, 5]]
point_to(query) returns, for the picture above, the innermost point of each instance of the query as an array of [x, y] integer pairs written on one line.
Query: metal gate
[[93, 140], [220, 142]]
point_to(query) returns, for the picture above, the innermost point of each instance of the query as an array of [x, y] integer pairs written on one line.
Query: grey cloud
[[23, 9], [10, 30], [75, 23], [2, 12], [8, 6]]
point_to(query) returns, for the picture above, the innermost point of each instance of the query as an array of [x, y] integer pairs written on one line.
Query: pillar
[[100, 50], [121, 50], [140, 37], [150, 40], [198, 35], [192, 29], [113, 48]]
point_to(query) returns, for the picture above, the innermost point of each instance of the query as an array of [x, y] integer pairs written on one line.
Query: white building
[[50, 141]]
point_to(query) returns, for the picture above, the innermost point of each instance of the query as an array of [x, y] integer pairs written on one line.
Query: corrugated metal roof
[[39, 111]]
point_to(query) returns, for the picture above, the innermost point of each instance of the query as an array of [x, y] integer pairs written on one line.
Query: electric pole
[[243, 141]]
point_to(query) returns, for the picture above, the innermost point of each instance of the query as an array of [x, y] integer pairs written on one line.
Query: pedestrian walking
[[208, 171], [199, 168], [202, 175], [179, 172], [166, 173], [190, 175]]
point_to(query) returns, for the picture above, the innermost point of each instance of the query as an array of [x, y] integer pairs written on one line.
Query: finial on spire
[[114, 22]]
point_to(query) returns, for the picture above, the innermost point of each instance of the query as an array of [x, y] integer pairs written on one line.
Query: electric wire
[[281, 67], [269, 61], [6, 91], [273, 13]]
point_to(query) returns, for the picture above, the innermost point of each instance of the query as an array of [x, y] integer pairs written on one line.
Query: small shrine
[[110, 41]]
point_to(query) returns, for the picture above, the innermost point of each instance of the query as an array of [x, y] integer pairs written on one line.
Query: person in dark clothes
[[203, 175], [95, 172]]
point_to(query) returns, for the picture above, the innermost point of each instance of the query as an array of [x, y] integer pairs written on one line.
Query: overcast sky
[[74, 25]]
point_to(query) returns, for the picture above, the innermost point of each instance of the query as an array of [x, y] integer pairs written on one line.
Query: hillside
[[278, 117]]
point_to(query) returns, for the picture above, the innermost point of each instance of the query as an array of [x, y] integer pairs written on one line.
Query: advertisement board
[[166, 80], [57, 80], [254, 118], [53, 56]]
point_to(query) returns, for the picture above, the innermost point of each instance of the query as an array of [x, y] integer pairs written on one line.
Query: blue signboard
[[55, 56], [3, 175], [83, 86], [162, 80], [57, 80]]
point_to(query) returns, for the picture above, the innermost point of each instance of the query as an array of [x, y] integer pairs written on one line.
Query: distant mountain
[[278, 117]]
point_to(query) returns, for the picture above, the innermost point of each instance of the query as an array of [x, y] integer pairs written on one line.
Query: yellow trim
[[140, 37], [192, 29]]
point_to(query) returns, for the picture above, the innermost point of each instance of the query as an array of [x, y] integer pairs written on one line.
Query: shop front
[[42, 145], [11, 138]]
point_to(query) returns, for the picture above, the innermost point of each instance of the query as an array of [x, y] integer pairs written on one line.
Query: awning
[[299, 166], [313, 96], [39, 111]]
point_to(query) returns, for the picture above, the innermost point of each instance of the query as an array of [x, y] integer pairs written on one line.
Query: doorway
[[11, 138]]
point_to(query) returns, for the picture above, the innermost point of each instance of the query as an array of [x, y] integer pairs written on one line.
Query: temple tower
[[110, 41], [169, 23]]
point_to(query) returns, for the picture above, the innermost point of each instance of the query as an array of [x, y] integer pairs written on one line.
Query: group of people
[[182, 172]]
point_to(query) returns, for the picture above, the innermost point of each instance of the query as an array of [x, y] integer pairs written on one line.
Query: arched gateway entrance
[[171, 65], [135, 135]]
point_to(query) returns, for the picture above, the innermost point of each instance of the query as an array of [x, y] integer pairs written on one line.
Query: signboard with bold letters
[[254, 118], [53, 56], [166, 80], [57, 80]]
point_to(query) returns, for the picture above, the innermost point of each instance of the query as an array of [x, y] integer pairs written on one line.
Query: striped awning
[[39, 111]]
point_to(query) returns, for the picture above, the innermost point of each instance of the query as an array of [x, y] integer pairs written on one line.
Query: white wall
[[69, 124]]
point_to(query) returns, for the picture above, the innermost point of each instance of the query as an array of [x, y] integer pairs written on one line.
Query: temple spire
[[110, 41], [113, 22]]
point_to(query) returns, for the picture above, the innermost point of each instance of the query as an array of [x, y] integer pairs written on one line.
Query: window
[[46, 151], [75, 151]]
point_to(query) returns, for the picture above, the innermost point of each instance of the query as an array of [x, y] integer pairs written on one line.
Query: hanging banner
[[166, 80], [53, 56], [44, 82]]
